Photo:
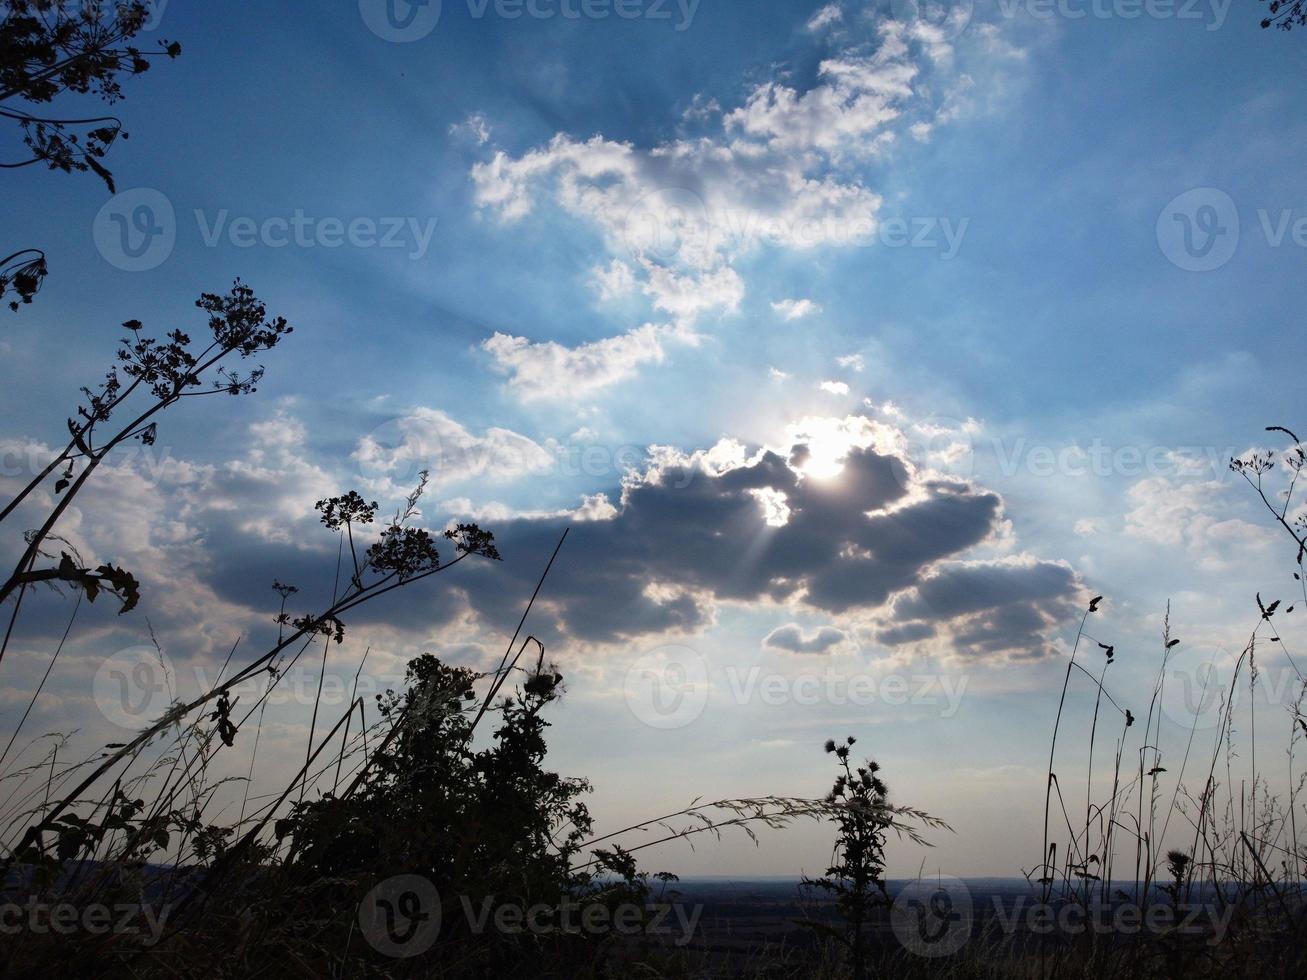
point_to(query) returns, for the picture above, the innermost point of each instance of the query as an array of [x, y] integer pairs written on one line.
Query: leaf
[[60, 485], [104, 174]]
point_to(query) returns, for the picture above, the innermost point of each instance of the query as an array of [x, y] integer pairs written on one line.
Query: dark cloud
[[791, 638], [907, 633], [692, 532], [700, 534], [994, 607]]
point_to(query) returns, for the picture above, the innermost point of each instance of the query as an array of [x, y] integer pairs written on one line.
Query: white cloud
[[849, 113], [390, 456], [593, 507], [834, 387], [853, 362], [1195, 515], [686, 297], [549, 370], [1087, 527], [784, 169], [612, 281], [827, 15], [795, 309], [474, 127]]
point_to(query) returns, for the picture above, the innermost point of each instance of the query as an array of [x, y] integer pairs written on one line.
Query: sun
[[826, 453]]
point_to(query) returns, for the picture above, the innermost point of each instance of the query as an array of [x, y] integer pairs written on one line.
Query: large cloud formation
[[836, 522], [787, 168]]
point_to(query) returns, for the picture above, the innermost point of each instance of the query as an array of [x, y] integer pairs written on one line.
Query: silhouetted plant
[[1244, 850], [856, 877], [1285, 14], [22, 274], [166, 371], [50, 48], [481, 824]]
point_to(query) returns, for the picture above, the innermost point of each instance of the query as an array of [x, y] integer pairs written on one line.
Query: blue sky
[[615, 234]]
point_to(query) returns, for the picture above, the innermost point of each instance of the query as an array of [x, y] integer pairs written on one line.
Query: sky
[[859, 345]]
